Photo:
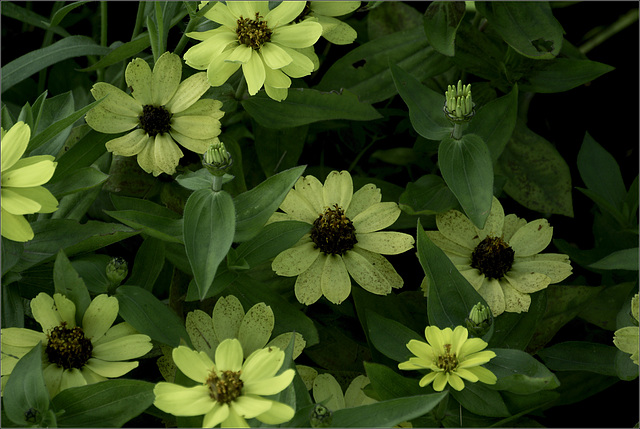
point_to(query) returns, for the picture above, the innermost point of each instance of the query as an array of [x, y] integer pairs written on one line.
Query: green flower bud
[[117, 270], [216, 159], [321, 417], [458, 106], [479, 320]]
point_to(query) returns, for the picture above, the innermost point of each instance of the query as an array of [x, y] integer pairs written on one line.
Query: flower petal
[[120, 330], [229, 355], [196, 127], [15, 227], [202, 55], [335, 281], [248, 9], [99, 316], [138, 76], [123, 348], [448, 246], [362, 199], [269, 386], [527, 282], [188, 92], [72, 378], [276, 80], [254, 73], [284, 13], [193, 364], [28, 172], [455, 381], [300, 35], [458, 228], [17, 203], [39, 194], [221, 14], [166, 78], [338, 189], [249, 406], [263, 364], [67, 310], [310, 188], [203, 107], [336, 31], [200, 329], [296, 205], [427, 379], [104, 121], [440, 381], [354, 396], [45, 312], [255, 328], [385, 242], [52, 378], [14, 143], [553, 265], [21, 337], [167, 154], [514, 301], [227, 317], [282, 341], [421, 350], [117, 101], [183, 401], [493, 295], [110, 369], [234, 420], [303, 62], [327, 391], [495, 221], [366, 274], [376, 217], [240, 54], [532, 238], [130, 144], [277, 414], [218, 414], [484, 375], [274, 56], [308, 287], [333, 8], [295, 260], [382, 266]]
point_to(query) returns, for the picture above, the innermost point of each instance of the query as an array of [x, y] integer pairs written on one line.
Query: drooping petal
[[295, 260], [99, 316], [195, 365], [255, 328], [72, 378], [514, 301], [458, 228], [455, 381], [201, 56], [138, 76], [188, 92], [14, 143], [338, 189], [376, 217], [493, 295], [335, 282], [219, 70], [254, 73], [308, 287], [277, 414], [240, 54], [48, 203], [130, 144], [367, 275], [385, 242], [229, 355], [428, 379], [380, 264], [166, 78], [52, 378], [167, 154], [303, 62], [194, 145], [183, 401], [532, 238], [17, 203], [216, 415], [362, 199], [527, 282], [110, 369], [249, 406], [15, 227]]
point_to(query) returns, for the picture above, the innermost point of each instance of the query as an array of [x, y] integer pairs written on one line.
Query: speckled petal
[[188, 92], [495, 221], [138, 76], [263, 364], [44, 311], [104, 121], [295, 260], [123, 348], [296, 205], [554, 265], [367, 275], [227, 317], [385, 242], [532, 238], [117, 101], [256, 327], [129, 144], [514, 301], [376, 217], [362, 199], [448, 246], [110, 369], [308, 288], [338, 189], [99, 316], [458, 228], [327, 391], [310, 189], [166, 78], [527, 282], [493, 295], [382, 266], [335, 282]]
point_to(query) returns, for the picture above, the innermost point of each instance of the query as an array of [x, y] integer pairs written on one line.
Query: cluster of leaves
[[187, 245]]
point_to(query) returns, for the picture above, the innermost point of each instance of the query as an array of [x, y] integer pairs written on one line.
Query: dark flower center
[[492, 257], [253, 32], [226, 388], [68, 347], [155, 120], [333, 232], [448, 361]]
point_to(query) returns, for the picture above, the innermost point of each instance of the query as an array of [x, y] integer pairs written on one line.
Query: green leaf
[[388, 384], [69, 47], [537, 175], [271, 240], [560, 75], [494, 122], [515, 330], [148, 264], [466, 166], [480, 52], [519, 372], [390, 337], [626, 259], [63, 11], [305, 106], [121, 53], [68, 283], [600, 172], [209, 225], [11, 10], [580, 356], [82, 154], [528, 27], [386, 413], [450, 296], [602, 311], [425, 105], [279, 150], [441, 22], [25, 392], [142, 310], [109, 403], [365, 69], [390, 17], [92, 269], [12, 303], [255, 207], [224, 277], [604, 205], [480, 399], [160, 227], [427, 196], [79, 180]]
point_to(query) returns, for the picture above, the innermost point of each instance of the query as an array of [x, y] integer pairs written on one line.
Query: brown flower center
[[253, 32], [226, 388], [155, 120], [448, 361], [492, 257], [68, 347], [333, 233]]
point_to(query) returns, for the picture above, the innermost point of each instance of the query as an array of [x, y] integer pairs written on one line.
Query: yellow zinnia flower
[[229, 390], [334, 30], [502, 261], [451, 356], [160, 110], [345, 239], [627, 339], [21, 192], [262, 41], [75, 355]]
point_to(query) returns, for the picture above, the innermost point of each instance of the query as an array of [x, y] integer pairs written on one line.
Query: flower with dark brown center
[[253, 32], [492, 257], [155, 120], [68, 347], [333, 232], [226, 388]]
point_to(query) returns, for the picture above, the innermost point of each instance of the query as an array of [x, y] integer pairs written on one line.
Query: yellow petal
[[295, 260], [14, 143], [130, 144], [254, 73], [327, 391], [308, 287], [532, 238], [227, 317], [385, 242], [189, 91], [195, 365], [99, 316], [376, 217], [229, 355], [15, 227], [166, 78], [335, 282], [255, 328], [138, 76], [362, 199], [338, 189], [28, 172], [117, 101], [183, 401]]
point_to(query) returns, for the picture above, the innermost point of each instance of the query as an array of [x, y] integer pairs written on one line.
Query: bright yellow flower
[[75, 355], [502, 261], [451, 356], [21, 192], [160, 110], [229, 390], [264, 42], [345, 239]]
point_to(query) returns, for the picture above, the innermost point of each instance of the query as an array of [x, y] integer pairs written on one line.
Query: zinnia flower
[[334, 30], [627, 339], [502, 261], [21, 192], [262, 41], [160, 110], [75, 355], [229, 391], [345, 239], [451, 356]]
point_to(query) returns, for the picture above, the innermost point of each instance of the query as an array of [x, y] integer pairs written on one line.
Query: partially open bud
[[216, 159], [321, 417], [458, 106], [479, 320], [117, 271]]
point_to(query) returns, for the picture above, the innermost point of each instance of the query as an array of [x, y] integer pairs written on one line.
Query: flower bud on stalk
[[217, 161], [117, 271], [321, 417], [458, 107], [479, 320]]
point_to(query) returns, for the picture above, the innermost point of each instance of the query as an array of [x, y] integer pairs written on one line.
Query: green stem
[[216, 185], [48, 38], [242, 88], [103, 34], [456, 134], [184, 39], [139, 20], [623, 22]]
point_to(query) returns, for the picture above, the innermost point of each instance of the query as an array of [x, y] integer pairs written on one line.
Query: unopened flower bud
[[117, 271], [458, 106], [479, 320], [216, 159], [321, 417]]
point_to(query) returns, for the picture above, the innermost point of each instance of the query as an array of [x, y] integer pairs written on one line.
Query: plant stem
[[456, 134], [184, 39], [623, 22], [103, 34], [216, 185], [242, 88], [139, 20]]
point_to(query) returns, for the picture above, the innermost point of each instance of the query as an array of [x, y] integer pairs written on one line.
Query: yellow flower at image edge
[[21, 192], [262, 41], [502, 261], [160, 111], [627, 339], [75, 355], [451, 356], [230, 391], [345, 239]]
